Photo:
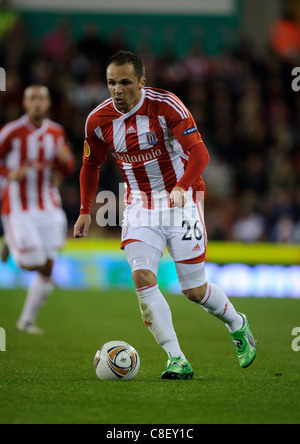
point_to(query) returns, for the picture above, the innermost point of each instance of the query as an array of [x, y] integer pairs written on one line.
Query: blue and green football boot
[[244, 343]]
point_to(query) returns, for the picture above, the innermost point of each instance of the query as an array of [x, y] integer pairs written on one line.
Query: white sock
[[157, 316], [37, 295], [217, 303]]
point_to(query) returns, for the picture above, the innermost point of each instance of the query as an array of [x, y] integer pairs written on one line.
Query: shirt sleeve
[[95, 150], [5, 144], [183, 126], [94, 153], [198, 161]]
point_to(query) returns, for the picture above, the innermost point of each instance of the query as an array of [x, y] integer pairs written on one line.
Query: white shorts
[[181, 231], [35, 237]]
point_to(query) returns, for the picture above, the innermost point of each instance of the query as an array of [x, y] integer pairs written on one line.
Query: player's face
[[124, 86], [36, 102]]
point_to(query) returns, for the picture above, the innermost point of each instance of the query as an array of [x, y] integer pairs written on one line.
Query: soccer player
[[32, 148], [162, 156]]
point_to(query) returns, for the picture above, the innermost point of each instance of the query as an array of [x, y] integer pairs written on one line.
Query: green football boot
[[244, 343], [177, 368]]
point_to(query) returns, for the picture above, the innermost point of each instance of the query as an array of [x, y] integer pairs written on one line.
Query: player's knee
[[46, 269], [44, 266], [33, 260], [196, 294], [143, 278]]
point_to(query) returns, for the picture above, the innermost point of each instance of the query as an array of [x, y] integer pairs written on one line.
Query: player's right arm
[[94, 154], [18, 174], [4, 149]]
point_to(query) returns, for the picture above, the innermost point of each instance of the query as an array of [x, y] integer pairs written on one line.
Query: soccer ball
[[116, 360]]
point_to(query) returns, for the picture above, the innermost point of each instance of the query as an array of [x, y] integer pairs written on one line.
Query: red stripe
[[146, 287], [128, 241], [164, 162], [226, 306], [5, 201], [194, 260]]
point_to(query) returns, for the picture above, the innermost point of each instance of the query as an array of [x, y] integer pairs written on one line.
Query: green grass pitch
[[50, 378]]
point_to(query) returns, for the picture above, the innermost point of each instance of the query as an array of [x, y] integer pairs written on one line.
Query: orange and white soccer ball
[[116, 360]]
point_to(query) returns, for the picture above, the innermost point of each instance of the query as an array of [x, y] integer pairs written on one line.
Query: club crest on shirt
[[151, 138]]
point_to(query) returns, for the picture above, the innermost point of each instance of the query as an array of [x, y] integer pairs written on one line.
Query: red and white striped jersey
[[23, 144], [151, 142]]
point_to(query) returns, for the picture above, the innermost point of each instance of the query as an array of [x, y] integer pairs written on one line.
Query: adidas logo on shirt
[[131, 130], [197, 248]]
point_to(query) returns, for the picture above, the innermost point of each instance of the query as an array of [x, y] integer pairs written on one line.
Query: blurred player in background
[[4, 248], [32, 149], [159, 149]]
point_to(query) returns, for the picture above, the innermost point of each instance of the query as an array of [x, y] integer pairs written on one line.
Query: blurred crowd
[[242, 101]]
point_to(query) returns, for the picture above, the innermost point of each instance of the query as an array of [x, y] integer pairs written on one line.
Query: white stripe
[[49, 149], [169, 99], [32, 174], [99, 134], [154, 175], [143, 127], [13, 163], [119, 136]]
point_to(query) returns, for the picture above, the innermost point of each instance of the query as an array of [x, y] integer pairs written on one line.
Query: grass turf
[[50, 378]]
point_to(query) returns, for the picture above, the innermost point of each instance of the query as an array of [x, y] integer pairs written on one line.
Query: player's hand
[[18, 175], [178, 197], [81, 228]]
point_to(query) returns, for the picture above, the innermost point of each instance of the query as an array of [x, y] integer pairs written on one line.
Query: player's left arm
[[186, 132]]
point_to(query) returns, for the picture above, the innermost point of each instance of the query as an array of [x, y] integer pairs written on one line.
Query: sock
[[217, 303], [37, 295], [157, 316]]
